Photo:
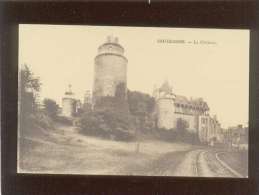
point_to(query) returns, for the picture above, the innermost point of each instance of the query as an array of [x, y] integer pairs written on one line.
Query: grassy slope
[[64, 151]]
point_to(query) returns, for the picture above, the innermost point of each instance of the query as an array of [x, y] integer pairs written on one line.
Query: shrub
[[178, 135], [42, 120], [107, 125], [51, 108], [64, 120], [167, 134]]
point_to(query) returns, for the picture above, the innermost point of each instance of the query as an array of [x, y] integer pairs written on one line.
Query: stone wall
[[165, 113], [167, 117], [110, 70], [68, 107]]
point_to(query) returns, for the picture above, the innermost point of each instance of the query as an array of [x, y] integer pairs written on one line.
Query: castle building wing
[[195, 104]]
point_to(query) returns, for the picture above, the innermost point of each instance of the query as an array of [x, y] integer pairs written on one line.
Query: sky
[[216, 69]]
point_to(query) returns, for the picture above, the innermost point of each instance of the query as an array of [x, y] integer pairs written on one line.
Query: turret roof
[[166, 87]]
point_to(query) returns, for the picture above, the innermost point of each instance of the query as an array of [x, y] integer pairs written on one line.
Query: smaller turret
[[69, 103]]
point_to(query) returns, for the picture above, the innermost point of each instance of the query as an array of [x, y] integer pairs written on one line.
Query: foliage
[[50, 107], [141, 106], [32, 119], [29, 86], [180, 134], [64, 120], [177, 135], [117, 103], [106, 123], [140, 103], [110, 117], [34, 124], [42, 120], [120, 92], [181, 124]]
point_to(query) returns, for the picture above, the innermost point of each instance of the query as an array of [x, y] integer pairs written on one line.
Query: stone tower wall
[[110, 70], [68, 107], [165, 109]]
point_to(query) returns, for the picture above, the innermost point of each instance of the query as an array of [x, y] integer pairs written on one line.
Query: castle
[[110, 70], [170, 108]]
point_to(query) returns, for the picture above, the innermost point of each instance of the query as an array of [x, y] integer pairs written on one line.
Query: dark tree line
[[29, 90], [31, 113]]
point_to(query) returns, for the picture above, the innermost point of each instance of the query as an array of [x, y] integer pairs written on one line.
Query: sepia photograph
[[142, 101]]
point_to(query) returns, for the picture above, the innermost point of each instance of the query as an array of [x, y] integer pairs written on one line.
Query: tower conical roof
[[166, 88]]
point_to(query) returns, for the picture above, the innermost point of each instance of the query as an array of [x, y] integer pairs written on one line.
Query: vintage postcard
[[151, 101]]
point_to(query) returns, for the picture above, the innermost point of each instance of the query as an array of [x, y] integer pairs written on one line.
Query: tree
[[117, 103], [110, 117], [50, 107], [140, 102], [29, 90], [120, 92], [141, 106], [182, 134], [181, 124], [107, 123]]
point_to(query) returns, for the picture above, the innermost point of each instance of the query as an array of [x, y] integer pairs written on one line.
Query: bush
[[64, 120], [106, 124], [51, 108], [42, 120], [167, 134], [178, 135], [33, 124]]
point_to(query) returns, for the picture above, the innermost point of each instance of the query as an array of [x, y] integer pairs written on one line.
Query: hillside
[[64, 151]]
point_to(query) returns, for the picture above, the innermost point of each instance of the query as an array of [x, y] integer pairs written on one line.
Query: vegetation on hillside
[[179, 134], [129, 116], [51, 108], [31, 116], [119, 117]]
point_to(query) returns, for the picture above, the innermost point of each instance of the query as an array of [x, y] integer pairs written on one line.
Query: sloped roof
[[199, 102], [180, 99]]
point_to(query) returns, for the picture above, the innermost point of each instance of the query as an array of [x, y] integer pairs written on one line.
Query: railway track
[[226, 166], [209, 164]]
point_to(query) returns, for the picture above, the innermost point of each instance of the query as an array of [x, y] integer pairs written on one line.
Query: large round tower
[[110, 69]]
